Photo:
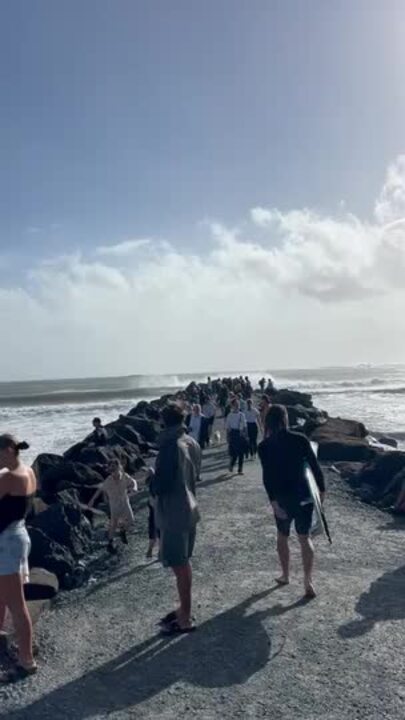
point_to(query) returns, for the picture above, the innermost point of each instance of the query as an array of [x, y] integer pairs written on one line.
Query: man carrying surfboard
[[284, 456]]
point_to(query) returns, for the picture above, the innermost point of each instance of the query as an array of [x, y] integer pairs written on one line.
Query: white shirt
[[252, 416], [209, 410], [235, 421], [195, 426]]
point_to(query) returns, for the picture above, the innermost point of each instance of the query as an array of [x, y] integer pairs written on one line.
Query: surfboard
[[319, 525]]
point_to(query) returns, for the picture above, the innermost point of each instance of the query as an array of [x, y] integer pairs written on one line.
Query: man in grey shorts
[[176, 472]]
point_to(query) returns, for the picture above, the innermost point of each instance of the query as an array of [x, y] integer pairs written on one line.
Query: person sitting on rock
[[284, 456], [99, 436], [116, 487]]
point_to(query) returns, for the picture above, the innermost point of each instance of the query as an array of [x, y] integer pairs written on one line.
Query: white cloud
[[295, 288], [127, 247], [390, 205]]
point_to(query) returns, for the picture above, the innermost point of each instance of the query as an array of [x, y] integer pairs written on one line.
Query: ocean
[[52, 415]]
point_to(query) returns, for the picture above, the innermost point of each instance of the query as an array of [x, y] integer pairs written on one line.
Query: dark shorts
[[302, 518], [176, 548]]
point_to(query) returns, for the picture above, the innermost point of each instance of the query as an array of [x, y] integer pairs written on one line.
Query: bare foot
[[310, 593]]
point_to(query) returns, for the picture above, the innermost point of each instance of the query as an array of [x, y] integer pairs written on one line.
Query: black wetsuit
[[284, 456]]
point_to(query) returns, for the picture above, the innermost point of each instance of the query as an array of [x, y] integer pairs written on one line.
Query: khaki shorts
[[176, 548]]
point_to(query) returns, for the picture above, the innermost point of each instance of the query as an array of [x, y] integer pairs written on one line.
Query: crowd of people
[[187, 430]]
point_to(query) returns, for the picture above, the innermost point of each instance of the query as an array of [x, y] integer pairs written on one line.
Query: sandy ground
[[259, 652]]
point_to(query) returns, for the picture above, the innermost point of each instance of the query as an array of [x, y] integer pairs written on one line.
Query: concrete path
[[259, 652]]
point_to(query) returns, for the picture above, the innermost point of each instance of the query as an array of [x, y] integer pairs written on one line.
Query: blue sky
[[151, 119], [123, 118]]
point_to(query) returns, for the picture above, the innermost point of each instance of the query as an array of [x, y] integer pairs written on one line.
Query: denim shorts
[[15, 546]]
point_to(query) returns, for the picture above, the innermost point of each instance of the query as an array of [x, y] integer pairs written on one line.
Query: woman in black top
[[284, 456], [17, 489]]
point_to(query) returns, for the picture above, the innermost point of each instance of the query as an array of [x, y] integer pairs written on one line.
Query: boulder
[[333, 428], [65, 525], [291, 397], [381, 473], [51, 556], [386, 440], [349, 470], [73, 453], [47, 470], [143, 426], [345, 448]]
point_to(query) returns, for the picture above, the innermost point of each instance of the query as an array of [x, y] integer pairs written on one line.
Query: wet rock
[[386, 440]]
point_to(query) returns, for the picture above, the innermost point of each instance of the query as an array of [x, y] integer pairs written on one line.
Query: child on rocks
[[117, 487]]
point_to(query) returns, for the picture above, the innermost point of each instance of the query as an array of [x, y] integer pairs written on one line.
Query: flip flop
[[310, 594], [18, 673], [280, 582], [175, 629], [169, 618]]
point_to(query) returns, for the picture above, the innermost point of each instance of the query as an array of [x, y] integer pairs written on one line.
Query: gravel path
[[259, 652]]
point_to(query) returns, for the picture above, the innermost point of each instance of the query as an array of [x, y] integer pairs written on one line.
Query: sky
[[188, 185]]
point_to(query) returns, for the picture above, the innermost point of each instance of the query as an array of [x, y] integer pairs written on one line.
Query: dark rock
[[380, 473], [349, 470], [47, 468], [345, 448], [66, 525], [386, 440], [73, 454], [333, 428], [145, 427], [51, 556], [291, 397]]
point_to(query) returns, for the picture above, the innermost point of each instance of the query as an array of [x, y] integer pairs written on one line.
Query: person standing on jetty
[[209, 411], [236, 430], [117, 486], [284, 455], [198, 426], [253, 422], [174, 484], [17, 489]]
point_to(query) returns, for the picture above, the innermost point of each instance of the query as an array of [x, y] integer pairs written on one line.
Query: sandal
[[281, 582], [169, 618], [175, 629], [19, 672]]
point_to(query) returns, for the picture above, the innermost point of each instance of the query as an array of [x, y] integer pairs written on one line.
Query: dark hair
[[276, 418], [97, 420], [8, 441], [173, 414]]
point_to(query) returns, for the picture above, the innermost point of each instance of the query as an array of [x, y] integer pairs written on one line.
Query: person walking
[[198, 426], [209, 411], [284, 455], [253, 422], [17, 489], [174, 485], [117, 486], [236, 430]]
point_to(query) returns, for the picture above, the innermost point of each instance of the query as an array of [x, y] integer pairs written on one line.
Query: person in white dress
[[117, 487]]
